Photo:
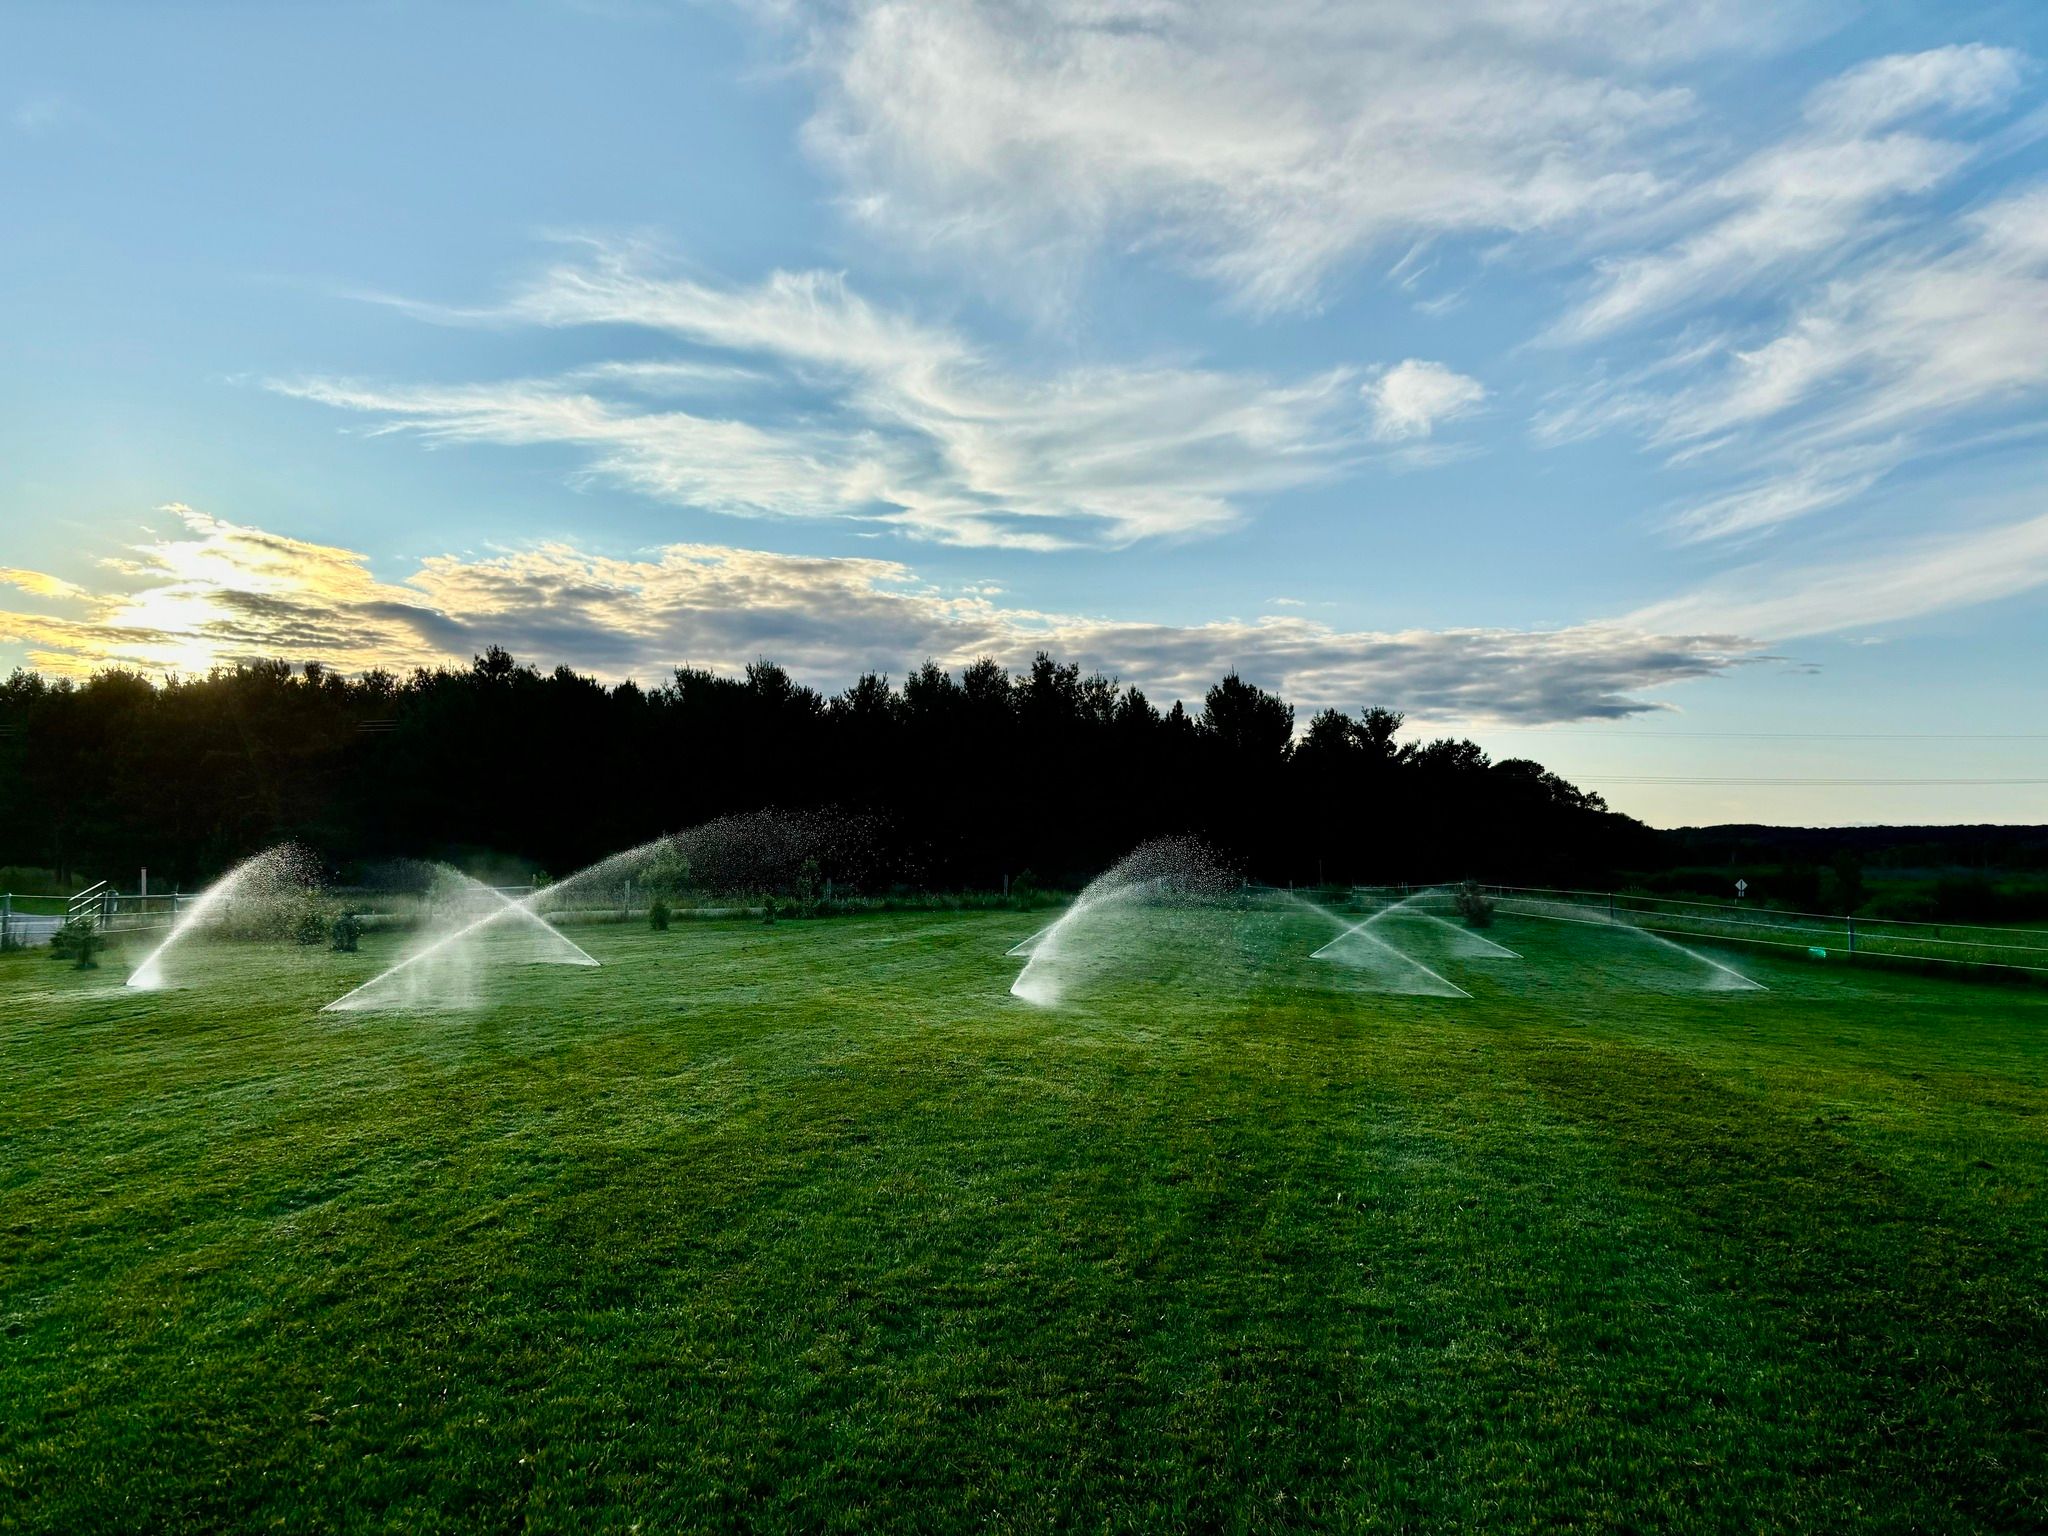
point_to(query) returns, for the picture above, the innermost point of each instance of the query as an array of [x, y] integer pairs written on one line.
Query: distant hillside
[[1925, 848], [1971, 874]]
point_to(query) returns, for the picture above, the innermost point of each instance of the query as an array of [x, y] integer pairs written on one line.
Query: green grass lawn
[[814, 1227]]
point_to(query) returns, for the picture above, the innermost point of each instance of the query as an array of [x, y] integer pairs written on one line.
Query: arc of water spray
[[1739, 982], [509, 908], [1357, 930], [1464, 934], [1025, 946], [149, 975], [1042, 947]]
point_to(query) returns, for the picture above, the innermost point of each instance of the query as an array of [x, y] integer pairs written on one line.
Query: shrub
[[1474, 905], [768, 909], [309, 924], [658, 915], [346, 934], [810, 882], [79, 942], [1024, 890]]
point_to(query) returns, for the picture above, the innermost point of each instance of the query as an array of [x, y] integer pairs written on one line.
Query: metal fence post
[[1851, 921], [6, 919]]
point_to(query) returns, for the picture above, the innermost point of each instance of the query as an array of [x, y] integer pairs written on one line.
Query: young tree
[[1474, 905]]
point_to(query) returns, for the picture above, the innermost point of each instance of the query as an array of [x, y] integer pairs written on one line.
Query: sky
[[1654, 389]]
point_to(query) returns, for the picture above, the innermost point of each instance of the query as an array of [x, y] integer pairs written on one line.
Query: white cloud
[[674, 455], [1969, 77], [1812, 483], [1265, 144], [1809, 199], [1410, 398], [220, 592], [1926, 576], [1939, 341], [918, 428], [36, 584]]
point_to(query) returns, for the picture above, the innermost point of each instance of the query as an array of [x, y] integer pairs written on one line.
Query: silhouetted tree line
[[971, 778]]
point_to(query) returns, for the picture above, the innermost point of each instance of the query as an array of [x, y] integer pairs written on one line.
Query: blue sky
[[1652, 388]]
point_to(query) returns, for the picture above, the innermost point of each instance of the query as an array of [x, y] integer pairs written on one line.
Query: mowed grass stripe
[[813, 1227]]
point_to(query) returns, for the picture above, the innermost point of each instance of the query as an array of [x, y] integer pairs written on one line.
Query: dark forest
[[966, 780]]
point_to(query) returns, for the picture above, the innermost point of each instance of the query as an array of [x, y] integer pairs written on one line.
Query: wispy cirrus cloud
[[1905, 342], [1810, 199], [1932, 574], [219, 592], [1803, 482], [1881, 366], [896, 420], [36, 584], [1939, 340], [1266, 146], [1963, 77]]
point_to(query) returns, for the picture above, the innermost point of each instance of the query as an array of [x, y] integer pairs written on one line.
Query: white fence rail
[[33, 920], [1817, 933], [30, 920]]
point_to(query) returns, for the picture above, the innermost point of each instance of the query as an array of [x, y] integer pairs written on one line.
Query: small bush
[[1474, 905], [768, 909], [658, 915], [1024, 890], [810, 882], [79, 942], [309, 925], [346, 934]]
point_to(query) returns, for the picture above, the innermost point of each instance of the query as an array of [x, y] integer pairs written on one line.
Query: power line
[[1565, 730], [1656, 778]]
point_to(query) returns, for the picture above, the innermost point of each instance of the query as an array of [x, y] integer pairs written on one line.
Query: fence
[[26, 920], [1972, 944], [29, 920], [34, 920]]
